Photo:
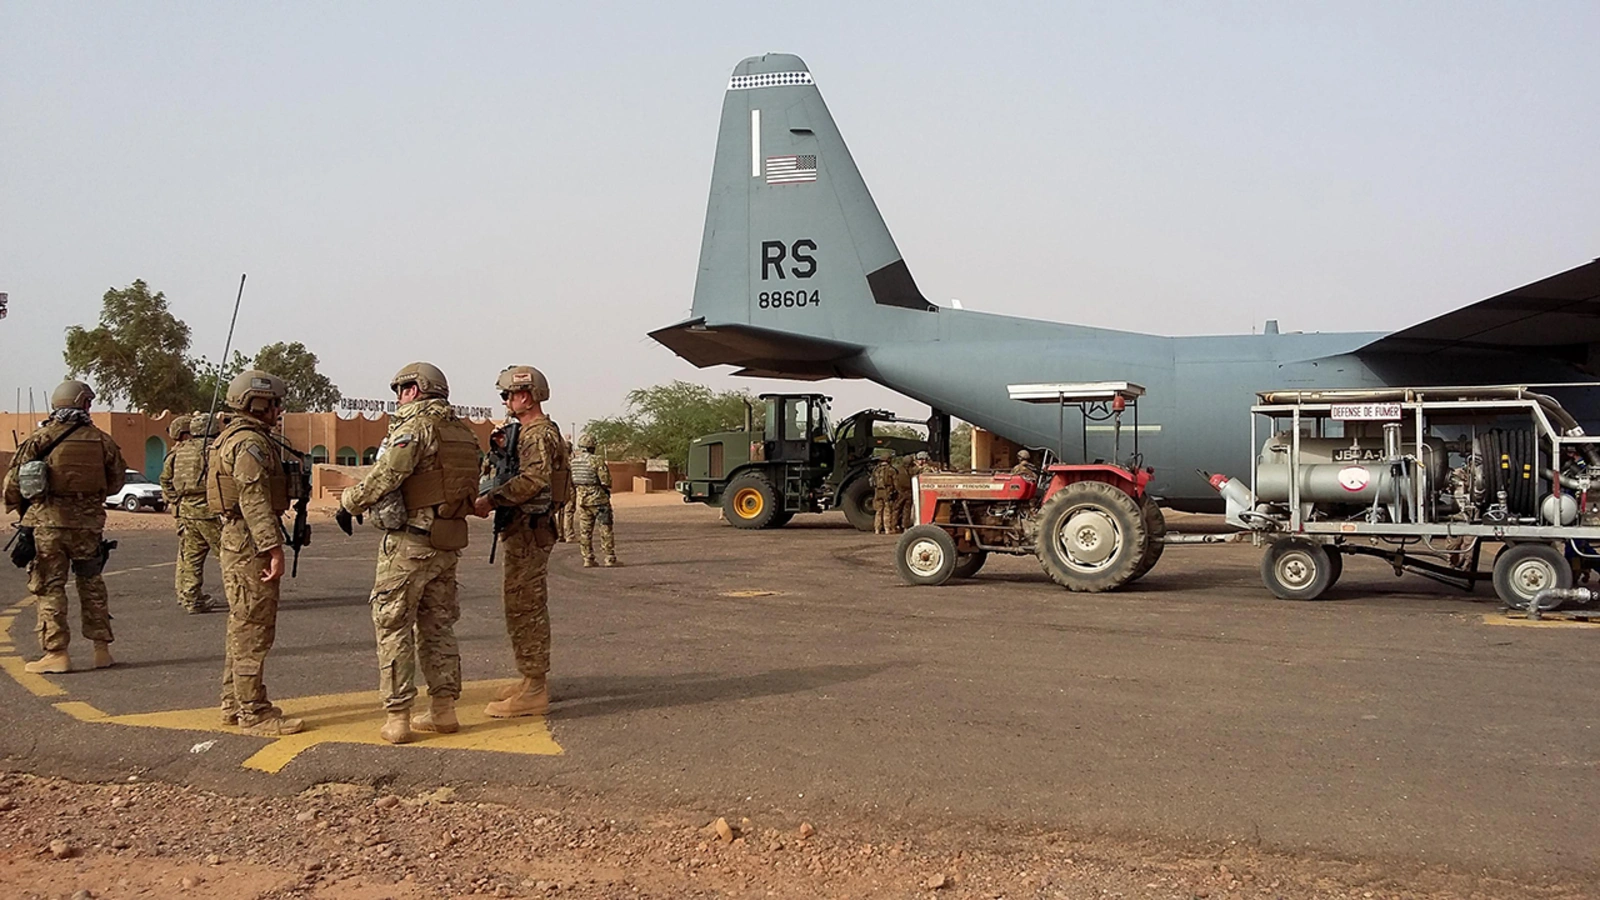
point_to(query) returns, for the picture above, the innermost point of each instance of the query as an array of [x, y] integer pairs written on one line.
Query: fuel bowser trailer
[[1091, 525], [1425, 479]]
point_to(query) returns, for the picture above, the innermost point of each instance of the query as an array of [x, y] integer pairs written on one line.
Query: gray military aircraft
[[799, 278]]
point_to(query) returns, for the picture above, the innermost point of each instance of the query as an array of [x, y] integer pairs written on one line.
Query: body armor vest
[[222, 492], [449, 479], [77, 465], [188, 464], [583, 472], [560, 467]]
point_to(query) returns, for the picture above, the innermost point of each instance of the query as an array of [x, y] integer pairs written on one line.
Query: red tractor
[[1092, 526]]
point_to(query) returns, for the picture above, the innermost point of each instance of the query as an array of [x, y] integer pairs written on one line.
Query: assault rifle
[[300, 535], [506, 465]]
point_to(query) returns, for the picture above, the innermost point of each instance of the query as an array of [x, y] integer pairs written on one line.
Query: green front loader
[[795, 462]]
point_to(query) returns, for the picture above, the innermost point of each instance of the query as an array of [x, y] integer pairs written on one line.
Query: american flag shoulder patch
[[791, 169]]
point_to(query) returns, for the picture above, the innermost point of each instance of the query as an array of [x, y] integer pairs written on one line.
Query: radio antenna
[[216, 387]]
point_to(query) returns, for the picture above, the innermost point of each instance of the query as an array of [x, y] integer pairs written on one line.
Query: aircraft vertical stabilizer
[[797, 268]]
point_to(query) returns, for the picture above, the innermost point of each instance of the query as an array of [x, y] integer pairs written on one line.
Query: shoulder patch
[[256, 451], [401, 440]]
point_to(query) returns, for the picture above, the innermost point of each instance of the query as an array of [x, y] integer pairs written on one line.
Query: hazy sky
[[485, 184]]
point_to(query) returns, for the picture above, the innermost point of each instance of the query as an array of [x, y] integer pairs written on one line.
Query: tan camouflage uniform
[[414, 602], [902, 511], [246, 453], [594, 509], [542, 457], [882, 498], [199, 530], [67, 530]]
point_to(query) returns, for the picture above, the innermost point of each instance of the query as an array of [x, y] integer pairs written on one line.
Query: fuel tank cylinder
[[1334, 483]]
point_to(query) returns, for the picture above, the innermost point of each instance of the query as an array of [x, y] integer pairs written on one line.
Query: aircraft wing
[[1557, 316]]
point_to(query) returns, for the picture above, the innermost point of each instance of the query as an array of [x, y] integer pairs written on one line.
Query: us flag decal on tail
[[791, 169]]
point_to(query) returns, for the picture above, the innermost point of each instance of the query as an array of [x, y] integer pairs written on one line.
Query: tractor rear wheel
[[1155, 525], [858, 504], [925, 555], [750, 501], [1092, 537]]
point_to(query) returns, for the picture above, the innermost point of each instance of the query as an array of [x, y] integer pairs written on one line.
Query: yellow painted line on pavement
[[1549, 621], [139, 568], [37, 685], [352, 719]]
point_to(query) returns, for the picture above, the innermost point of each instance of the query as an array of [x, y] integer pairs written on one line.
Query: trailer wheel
[[1155, 525], [1335, 563], [1092, 537], [858, 503], [926, 555], [751, 502], [968, 564], [1523, 570], [1296, 569]]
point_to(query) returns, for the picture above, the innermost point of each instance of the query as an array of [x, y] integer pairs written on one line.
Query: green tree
[[212, 380], [309, 390], [961, 446], [662, 420], [138, 352]]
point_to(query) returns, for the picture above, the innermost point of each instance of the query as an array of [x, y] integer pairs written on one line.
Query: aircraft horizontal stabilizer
[[759, 351], [1557, 317]]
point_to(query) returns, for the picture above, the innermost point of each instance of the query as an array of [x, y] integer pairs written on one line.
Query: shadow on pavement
[[605, 695]]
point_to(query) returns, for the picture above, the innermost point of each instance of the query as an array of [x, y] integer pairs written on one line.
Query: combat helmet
[[1024, 456], [524, 378], [181, 425], [922, 456], [426, 376], [71, 394], [203, 424], [586, 441], [254, 385]]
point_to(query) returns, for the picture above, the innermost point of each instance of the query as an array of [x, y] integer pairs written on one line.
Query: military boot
[[230, 714], [611, 562], [511, 690], [588, 562], [397, 727], [269, 723], [532, 700], [102, 655], [440, 717], [54, 662]]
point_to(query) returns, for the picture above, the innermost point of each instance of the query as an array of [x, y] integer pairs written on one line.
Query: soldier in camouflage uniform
[[83, 466], [199, 531], [567, 521], [247, 487], [882, 497], [431, 459], [1025, 465], [901, 514], [542, 484], [592, 480]]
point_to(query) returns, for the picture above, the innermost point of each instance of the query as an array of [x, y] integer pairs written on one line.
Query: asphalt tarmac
[[790, 672]]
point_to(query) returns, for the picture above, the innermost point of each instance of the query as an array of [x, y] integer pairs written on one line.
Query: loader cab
[[797, 429]]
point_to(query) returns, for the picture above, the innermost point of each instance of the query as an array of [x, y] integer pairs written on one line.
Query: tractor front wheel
[[751, 502], [1092, 537], [968, 564], [926, 555]]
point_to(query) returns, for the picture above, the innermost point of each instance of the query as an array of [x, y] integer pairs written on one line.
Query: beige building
[[340, 448]]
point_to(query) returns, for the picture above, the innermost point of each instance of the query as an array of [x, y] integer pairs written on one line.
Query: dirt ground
[[135, 839]]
